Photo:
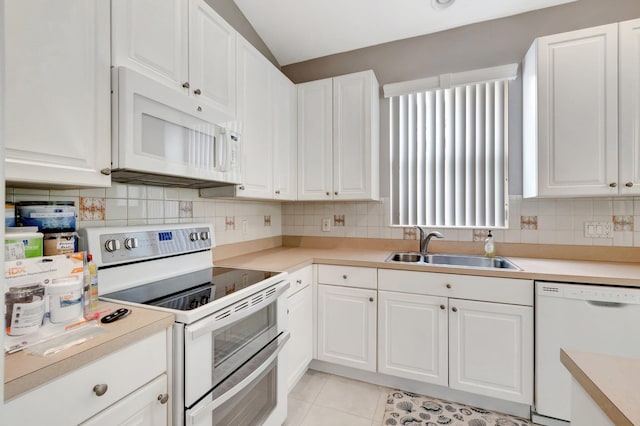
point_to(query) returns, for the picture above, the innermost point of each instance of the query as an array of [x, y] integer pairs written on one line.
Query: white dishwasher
[[589, 318]]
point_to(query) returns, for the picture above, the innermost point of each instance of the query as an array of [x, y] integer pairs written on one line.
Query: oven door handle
[[249, 372], [206, 326]]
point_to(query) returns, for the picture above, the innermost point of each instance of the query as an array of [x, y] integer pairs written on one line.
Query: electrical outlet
[[598, 229], [245, 226], [326, 224]]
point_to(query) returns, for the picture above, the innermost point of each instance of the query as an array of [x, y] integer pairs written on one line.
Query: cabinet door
[[347, 326], [630, 107], [57, 99], [315, 135], [577, 113], [146, 406], [412, 337], [212, 58], [355, 136], [284, 120], [491, 349], [254, 115], [151, 37], [299, 349]]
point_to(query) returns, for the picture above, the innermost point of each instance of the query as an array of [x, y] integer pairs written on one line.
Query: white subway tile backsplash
[[117, 190], [115, 209]]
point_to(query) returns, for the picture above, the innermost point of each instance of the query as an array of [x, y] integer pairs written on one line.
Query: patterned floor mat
[[409, 409]]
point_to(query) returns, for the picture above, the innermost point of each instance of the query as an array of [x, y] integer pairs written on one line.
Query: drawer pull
[[299, 281], [100, 389], [454, 309], [344, 277], [163, 398], [628, 184], [371, 299], [448, 285], [443, 307]]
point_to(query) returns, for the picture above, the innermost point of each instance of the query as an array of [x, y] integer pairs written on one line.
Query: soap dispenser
[[489, 246]]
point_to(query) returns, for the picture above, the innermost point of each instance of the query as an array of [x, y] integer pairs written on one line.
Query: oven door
[[255, 394], [219, 344]]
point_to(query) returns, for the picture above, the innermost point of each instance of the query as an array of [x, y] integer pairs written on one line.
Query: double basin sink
[[460, 260]]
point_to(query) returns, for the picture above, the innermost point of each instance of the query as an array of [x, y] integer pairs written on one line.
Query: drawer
[[348, 276], [299, 280], [70, 399], [489, 289]]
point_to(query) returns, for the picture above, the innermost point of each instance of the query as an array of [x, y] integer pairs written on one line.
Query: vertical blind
[[449, 156]]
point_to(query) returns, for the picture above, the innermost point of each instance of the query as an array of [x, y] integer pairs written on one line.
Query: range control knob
[[130, 243], [205, 235], [194, 236], [112, 245]]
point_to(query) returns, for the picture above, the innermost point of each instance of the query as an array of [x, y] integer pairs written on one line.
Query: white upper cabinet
[[338, 138], [152, 37], [630, 107], [283, 131], [267, 122], [315, 140], [212, 57], [255, 122], [57, 101], [186, 45], [579, 113]]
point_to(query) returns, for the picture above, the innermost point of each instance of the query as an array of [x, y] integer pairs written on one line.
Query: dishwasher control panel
[[598, 293]]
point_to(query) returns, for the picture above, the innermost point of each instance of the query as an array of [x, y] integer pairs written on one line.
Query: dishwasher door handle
[[602, 304]]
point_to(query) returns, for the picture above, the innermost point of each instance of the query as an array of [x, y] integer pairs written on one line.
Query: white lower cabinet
[[432, 331], [299, 349], [145, 407], [413, 336], [132, 379], [491, 349], [347, 326]]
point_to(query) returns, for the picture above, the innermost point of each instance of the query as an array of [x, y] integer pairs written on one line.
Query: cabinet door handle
[[454, 309], [371, 299], [443, 307], [335, 193], [163, 398], [241, 187], [278, 192], [448, 286], [197, 92], [186, 85], [299, 281], [613, 184], [106, 171], [628, 184], [328, 194], [344, 277], [100, 389]]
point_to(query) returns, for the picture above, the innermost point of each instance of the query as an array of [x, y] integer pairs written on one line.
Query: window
[[448, 154]]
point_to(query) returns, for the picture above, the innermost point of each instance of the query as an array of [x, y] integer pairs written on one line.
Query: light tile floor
[[321, 399]]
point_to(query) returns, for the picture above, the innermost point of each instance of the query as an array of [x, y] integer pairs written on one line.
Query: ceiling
[[298, 30]]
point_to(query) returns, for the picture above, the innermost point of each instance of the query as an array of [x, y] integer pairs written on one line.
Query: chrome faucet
[[425, 238]]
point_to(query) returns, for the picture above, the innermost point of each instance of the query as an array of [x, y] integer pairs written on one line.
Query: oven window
[[230, 340], [253, 404]]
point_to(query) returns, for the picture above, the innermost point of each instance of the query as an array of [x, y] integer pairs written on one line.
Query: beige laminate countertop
[[23, 371], [611, 381], [292, 258]]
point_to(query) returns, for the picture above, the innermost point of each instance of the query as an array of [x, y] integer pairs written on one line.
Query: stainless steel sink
[[458, 260]]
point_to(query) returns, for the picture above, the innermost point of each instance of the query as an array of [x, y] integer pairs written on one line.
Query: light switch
[[598, 229]]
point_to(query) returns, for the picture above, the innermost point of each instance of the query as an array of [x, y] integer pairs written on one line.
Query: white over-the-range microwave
[[160, 136]]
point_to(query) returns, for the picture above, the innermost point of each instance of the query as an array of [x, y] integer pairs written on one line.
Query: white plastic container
[[22, 243], [65, 298]]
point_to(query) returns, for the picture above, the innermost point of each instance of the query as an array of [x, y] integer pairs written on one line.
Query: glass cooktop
[[190, 291]]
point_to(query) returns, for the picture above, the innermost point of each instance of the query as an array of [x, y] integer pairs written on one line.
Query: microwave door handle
[[249, 372], [221, 152], [203, 327]]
